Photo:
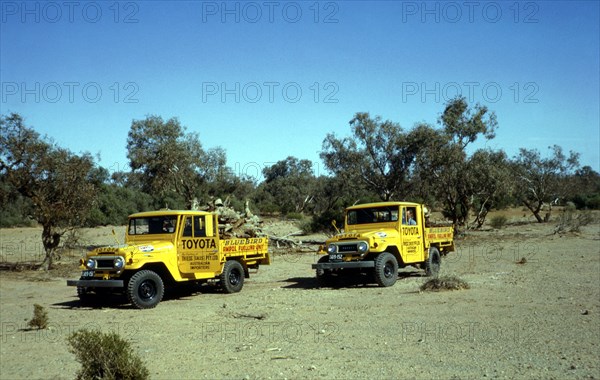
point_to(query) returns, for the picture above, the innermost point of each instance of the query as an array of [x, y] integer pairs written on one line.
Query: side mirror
[[334, 224]]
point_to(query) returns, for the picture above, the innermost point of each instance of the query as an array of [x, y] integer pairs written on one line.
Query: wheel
[[232, 278], [324, 276], [432, 267], [84, 294], [386, 269], [145, 289]]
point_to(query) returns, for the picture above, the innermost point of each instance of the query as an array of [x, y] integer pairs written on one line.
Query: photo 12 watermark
[[452, 12], [69, 92], [270, 92], [59, 332], [52, 12], [254, 332], [270, 12], [449, 332], [488, 91]]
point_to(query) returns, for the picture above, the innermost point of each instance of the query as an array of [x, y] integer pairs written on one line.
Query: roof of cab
[[168, 212], [382, 204]]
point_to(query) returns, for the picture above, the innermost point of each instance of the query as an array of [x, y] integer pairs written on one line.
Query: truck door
[[412, 235], [198, 248]]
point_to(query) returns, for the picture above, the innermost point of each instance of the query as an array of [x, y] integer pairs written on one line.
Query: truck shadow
[[360, 281], [120, 301]]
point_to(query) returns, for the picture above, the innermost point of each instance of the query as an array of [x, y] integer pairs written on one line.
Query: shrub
[[105, 356], [444, 283], [40, 318], [294, 215], [571, 221], [498, 221]]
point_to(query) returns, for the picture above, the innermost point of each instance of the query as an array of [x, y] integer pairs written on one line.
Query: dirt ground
[[539, 318]]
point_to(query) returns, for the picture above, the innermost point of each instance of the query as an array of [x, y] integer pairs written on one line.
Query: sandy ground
[[540, 319]]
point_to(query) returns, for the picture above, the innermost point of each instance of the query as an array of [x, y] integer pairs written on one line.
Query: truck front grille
[[105, 264], [347, 248]]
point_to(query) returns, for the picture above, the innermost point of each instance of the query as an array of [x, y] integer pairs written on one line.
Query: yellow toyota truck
[[167, 247], [379, 238]]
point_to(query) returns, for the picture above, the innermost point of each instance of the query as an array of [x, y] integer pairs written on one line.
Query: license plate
[[87, 273], [336, 257]]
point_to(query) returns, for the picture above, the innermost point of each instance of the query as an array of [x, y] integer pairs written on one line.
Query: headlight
[[362, 247], [119, 263], [331, 248], [90, 264]]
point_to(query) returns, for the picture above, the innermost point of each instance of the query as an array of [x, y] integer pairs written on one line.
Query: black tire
[[386, 269], [324, 276], [232, 278], [84, 294], [434, 261], [145, 289]]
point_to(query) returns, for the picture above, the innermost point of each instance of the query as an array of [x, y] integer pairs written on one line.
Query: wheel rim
[[234, 277], [388, 269], [147, 290]]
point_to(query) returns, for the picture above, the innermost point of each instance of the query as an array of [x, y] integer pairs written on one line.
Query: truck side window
[[408, 216], [187, 227], [199, 226]]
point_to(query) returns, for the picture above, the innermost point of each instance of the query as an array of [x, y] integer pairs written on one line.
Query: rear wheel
[[145, 289], [434, 261], [386, 269], [232, 278]]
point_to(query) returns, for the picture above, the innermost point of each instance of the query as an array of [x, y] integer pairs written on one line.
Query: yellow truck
[[379, 238], [165, 248]]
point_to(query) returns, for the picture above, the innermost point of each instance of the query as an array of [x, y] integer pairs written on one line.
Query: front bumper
[[96, 283], [344, 264]]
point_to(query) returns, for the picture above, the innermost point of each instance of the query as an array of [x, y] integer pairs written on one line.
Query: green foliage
[[379, 155], [290, 185], [115, 203], [15, 209], [584, 188], [105, 356], [322, 222], [294, 216], [542, 180], [498, 221], [171, 164], [40, 318]]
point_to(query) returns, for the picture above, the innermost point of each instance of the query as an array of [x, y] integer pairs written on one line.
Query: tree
[[58, 182], [169, 161], [379, 155], [491, 181], [290, 183], [443, 165], [584, 188], [540, 181]]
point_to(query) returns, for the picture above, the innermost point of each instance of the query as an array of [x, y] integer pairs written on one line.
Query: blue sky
[[267, 80]]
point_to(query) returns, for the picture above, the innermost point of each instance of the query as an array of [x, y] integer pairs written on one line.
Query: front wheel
[[386, 269], [324, 276], [232, 278], [145, 289]]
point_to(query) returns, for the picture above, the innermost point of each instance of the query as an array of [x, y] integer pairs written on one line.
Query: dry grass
[[444, 283]]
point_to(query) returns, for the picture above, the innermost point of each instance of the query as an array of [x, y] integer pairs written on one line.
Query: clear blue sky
[[266, 80]]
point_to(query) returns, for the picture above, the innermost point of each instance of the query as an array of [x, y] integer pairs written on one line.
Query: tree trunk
[[535, 211], [50, 240]]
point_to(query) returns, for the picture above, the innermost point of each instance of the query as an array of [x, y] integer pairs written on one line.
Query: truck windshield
[[372, 215], [152, 225]]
